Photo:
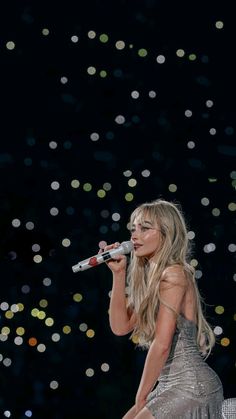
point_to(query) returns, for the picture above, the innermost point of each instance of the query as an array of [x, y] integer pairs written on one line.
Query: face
[[146, 237]]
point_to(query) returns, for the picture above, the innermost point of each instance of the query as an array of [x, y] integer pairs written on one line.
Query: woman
[[163, 311]]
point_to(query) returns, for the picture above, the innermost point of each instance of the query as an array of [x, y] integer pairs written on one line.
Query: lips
[[137, 246]]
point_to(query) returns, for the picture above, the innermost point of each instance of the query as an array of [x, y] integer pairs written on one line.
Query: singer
[[163, 309]]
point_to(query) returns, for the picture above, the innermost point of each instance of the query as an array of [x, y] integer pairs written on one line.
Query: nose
[[134, 235]]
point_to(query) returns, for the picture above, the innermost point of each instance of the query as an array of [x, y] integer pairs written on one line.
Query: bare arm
[[121, 319], [172, 289]]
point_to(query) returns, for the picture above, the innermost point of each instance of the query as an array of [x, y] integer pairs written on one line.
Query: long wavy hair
[[144, 277]]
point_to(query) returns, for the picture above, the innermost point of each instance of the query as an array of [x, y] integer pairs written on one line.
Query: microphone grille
[[127, 246]]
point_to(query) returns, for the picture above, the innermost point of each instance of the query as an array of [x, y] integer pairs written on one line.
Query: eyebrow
[[144, 222]]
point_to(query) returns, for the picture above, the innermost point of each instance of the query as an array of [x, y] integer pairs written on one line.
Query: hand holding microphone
[[110, 253]]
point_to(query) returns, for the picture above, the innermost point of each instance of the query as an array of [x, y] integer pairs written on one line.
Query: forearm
[[118, 314], [155, 361]]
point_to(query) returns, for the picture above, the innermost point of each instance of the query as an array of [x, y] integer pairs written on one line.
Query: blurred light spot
[[9, 314], [127, 173], [54, 385], [120, 45], [210, 247], [232, 247], [105, 213], [7, 413], [232, 206], [4, 306], [18, 341], [90, 333], [192, 57], [105, 367], [216, 212], [35, 312], [94, 136], [77, 297], [47, 282], [194, 263], [14, 308], [89, 372], [36, 247], [87, 187], [198, 274], [103, 229], [205, 201], [64, 80], [20, 306], [115, 226], [172, 187], [37, 258], [135, 339], [16, 222], [53, 145], [66, 329], [75, 183], [219, 309], [191, 144], [91, 34], [66, 242], [7, 362], [45, 31], [41, 347], [191, 235], [41, 315], [219, 24], [55, 185], [152, 94], [103, 73], [212, 131], [56, 337], [225, 341], [29, 225], [74, 38], [146, 173], [28, 413], [102, 244], [91, 70], [101, 193], [180, 53], [54, 211], [20, 331], [132, 183], [120, 119], [129, 197], [142, 52], [188, 113], [83, 327], [10, 45], [3, 338], [160, 59], [107, 186], [209, 103], [25, 289], [115, 216], [135, 94], [32, 341], [5, 330], [103, 38], [218, 330], [43, 303]]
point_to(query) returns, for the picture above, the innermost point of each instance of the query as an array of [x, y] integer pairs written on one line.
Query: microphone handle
[[97, 259]]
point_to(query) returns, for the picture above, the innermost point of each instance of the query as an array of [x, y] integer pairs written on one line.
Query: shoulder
[[174, 275]]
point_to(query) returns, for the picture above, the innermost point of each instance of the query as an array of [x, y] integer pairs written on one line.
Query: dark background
[[36, 109]]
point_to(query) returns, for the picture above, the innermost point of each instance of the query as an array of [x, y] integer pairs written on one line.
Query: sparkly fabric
[[188, 388], [229, 409]]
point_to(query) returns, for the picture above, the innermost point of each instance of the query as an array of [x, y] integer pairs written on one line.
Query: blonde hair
[[144, 279]]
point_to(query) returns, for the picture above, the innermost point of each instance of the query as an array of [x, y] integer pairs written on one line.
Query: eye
[[144, 228]]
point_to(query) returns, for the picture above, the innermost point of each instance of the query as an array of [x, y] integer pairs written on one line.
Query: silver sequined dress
[[188, 388]]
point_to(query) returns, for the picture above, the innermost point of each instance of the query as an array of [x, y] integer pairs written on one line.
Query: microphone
[[123, 249]]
